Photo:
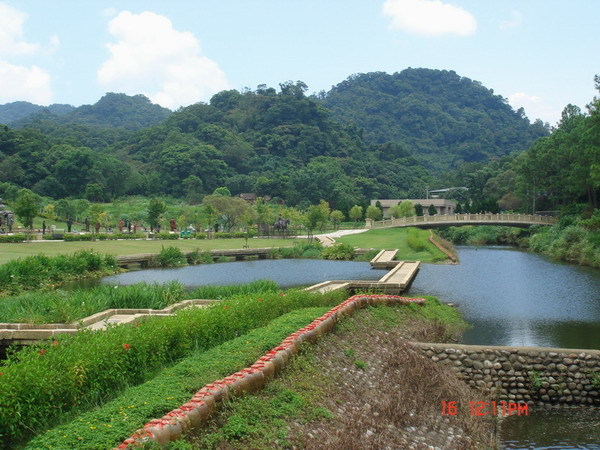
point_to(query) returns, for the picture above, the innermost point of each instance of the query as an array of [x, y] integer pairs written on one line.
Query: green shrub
[[415, 240], [44, 383], [198, 257], [339, 251], [14, 238], [168, 257], [77, 237], [167, 236]]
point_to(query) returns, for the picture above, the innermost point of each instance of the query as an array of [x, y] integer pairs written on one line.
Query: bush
[[168, 257], [339, 251], [415, 240], [43, 384], [198, 257], [167, 236], [230, 290]]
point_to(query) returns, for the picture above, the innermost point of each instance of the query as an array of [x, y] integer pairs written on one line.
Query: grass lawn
[[392, 238], [126, 247]]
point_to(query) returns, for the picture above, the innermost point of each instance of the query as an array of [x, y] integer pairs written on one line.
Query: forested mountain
[[15, 111], [441, 118], [272, 142], [111, 111]]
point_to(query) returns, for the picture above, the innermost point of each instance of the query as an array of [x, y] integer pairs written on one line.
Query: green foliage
[[485, 235], [27, 207], [87, 369], [34, 272], [198, 257], [230, 290], [13, 238], [339, 251], [414, 239], [404, 209], [374, 213], [168, 257], [356, 213], [156, 209]]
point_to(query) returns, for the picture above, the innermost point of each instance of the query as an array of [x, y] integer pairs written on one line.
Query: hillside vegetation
[[438, 116]]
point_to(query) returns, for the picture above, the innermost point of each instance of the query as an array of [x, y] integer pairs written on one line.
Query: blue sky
[[539, 54]]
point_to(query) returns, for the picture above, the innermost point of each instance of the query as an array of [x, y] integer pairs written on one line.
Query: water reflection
[[547, 428], [516, 298]]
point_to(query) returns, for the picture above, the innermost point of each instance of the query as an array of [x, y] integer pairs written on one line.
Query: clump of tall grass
[[222, 292], [69, 306], [198, 257], [416, 240], [34, 272]]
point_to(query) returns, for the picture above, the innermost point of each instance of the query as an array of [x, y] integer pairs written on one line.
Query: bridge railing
[[530, 219]]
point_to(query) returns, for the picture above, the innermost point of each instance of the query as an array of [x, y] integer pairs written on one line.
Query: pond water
[[517, 298], [285, 272]]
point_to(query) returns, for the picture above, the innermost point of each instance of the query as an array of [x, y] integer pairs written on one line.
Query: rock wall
[[533, 375]]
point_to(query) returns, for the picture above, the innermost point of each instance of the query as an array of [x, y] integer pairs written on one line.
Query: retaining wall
[[533, 375]]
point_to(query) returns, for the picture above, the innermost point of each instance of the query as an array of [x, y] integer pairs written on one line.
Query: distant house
[[251, 198], [441, 205]]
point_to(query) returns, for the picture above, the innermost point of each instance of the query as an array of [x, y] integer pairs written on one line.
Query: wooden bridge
[[457, 220]]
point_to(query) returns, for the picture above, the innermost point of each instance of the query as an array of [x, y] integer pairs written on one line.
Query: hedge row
[[107, 426], [40, 385], [13, 238], [115, 236]]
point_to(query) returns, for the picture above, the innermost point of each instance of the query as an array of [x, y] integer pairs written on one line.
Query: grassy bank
[[13, 251], [362, 384], [42, 385], [412, 243]]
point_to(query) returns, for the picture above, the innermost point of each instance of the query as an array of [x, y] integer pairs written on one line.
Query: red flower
[[126, 346], [42, 351], [260, 299], [54, 343], [282, 295], [1, 374], [226, 307], [137, 324]]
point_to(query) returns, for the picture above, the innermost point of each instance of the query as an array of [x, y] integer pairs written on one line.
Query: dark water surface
[[285, 272], [517, 298]]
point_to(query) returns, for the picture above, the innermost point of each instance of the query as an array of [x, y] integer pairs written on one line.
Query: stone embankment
[[533, 375]]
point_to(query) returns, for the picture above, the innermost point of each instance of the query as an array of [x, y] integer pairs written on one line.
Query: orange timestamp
[[493, 408]]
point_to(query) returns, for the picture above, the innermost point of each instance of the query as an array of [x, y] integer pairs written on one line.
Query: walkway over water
[[457, 220]]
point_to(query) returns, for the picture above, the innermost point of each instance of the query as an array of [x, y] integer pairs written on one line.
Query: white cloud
[[515, 21], [535, 107], [152, 58], [429, 17], [11, 32], [24, 83]]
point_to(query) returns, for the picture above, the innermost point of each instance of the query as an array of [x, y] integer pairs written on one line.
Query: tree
[[403, 209], [432, 211], [27, 207], [374, 213], [317, 216], [419, 210], [356, 213], [222, 191], [231, 210], [156, 208], [336, 217]]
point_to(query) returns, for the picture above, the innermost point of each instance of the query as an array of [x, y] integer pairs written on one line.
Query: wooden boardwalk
[[395, 281]]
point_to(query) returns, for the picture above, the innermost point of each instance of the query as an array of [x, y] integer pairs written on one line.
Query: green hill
[[440, 117]]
